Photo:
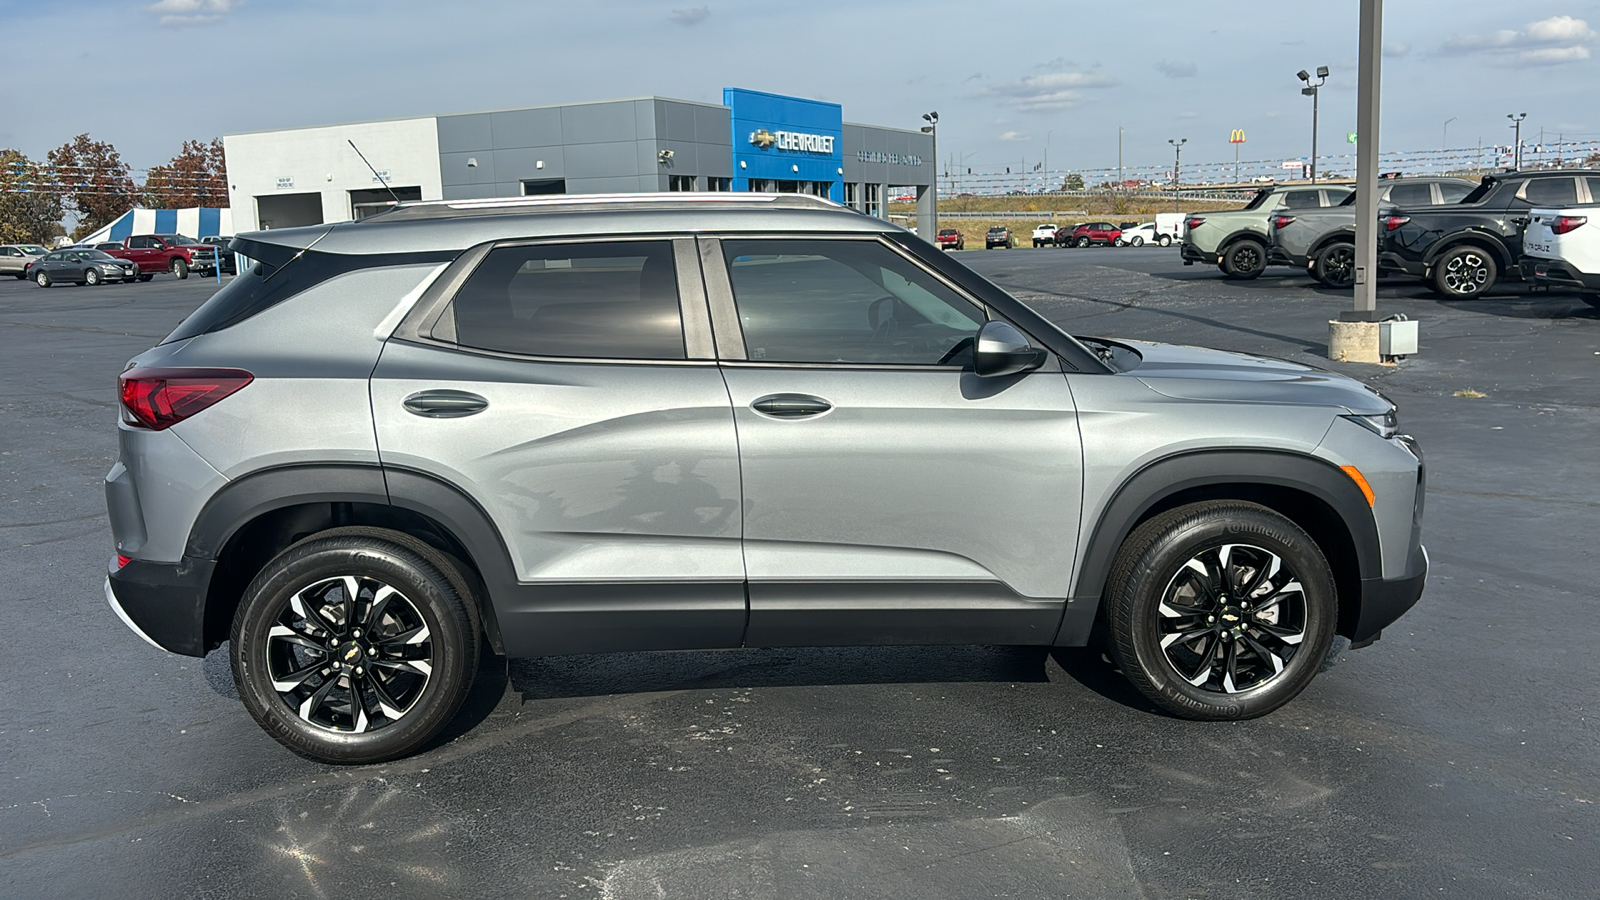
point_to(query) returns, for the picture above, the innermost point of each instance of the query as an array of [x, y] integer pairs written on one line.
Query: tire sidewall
[[1135, 613], [428, 589], [1443, 264], [1230, 257]]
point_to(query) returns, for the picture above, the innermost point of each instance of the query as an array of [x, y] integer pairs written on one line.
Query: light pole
[[1444, 140], [1177, 162], [1119, 157], [1310, 90], [1516, 123], [929, 227]]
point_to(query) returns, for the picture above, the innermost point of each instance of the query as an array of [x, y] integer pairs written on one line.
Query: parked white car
[[1044, 234], [1139, 235], [1561, 249]]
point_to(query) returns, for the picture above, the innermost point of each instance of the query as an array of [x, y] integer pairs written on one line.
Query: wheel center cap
[[351, 653]]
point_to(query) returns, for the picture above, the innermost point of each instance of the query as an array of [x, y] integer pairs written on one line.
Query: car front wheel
[[180, 268], [354, 647], [1220, 610]]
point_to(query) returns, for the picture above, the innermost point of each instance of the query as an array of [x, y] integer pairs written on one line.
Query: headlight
[[1385, 425], [113, 268]]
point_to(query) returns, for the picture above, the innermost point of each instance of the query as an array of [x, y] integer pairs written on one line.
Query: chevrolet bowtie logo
[[763, 138]]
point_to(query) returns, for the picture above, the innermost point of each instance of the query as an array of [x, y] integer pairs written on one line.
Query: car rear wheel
[[1220, 610], [1244, 259], [42, 279], [180, 268], [1165, 240], [1335, 266], [92, 276], [355, 646], [1083, 242], [1464, 273], [1138, 241]]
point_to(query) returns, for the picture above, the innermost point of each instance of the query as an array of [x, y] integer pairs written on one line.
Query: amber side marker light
[[1361, 482]]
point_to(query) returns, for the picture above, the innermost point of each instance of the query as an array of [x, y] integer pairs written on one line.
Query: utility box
[[1397, 338]]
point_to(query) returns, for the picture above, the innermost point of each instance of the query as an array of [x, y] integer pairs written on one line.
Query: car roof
[[422, 226]]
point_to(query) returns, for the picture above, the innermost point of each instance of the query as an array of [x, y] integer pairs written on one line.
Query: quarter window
[[846, 302], [1411, 195], [1551, 191], [1301, 199], [607, 300]]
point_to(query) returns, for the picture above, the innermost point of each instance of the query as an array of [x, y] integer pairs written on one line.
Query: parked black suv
[[1463, 249]]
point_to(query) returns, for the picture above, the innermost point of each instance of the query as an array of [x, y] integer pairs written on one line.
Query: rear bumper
[[1191, 253], [1394, 262], [1555, 273], [164, 603], [1385, 600]]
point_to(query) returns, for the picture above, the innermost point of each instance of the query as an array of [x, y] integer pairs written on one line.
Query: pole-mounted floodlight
[[1516, 122], [1177, 162], [932, 224], [1310, 90]]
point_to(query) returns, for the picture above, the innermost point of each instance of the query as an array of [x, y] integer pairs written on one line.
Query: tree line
[[89, 179]]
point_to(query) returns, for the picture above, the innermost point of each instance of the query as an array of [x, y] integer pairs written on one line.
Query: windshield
[[33, 249]]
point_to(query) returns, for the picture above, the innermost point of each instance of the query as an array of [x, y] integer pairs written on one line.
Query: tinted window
[[1594, 190], [1551, 191], [1451, 192], [274, 274], [612, 300], [55, 256], [141, 243], [837, 301], [7, 251], [1411, 195], [1301, 199]]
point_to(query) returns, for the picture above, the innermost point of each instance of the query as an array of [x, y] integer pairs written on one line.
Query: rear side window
[[1411, 195], [274, 274], [1450, 192], [1551, 191], [1301, 199], [603, 300]]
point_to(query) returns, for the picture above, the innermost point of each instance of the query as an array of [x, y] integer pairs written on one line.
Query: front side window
[[1551, 191], [845, 302], [1411, 195], [1301, 199], [603, 300]]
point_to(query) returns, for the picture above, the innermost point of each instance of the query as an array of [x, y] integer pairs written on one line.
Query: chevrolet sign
[[793, 140]]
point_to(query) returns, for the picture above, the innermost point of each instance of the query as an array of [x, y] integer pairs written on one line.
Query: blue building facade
[[786, 144]]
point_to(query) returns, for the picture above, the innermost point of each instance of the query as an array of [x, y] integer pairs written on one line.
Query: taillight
[[123, 560], [1282, 221], [1564, 224], [1194, 222], [161, 398], [1390, 223]]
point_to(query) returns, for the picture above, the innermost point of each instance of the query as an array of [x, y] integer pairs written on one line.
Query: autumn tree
[[197, 176], [1073, 182], [29, 212], [92, 181]]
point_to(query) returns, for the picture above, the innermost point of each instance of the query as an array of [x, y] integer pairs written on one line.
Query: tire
[[1464, 273], [1119, 242], [1244, 260], [1173, 563], [1591, 300], [1083, 243], [92, 276], [146, 277], [292, 629], [1164, 240], [180, 268], [42, 279], [1138, 241], [1335, 266]]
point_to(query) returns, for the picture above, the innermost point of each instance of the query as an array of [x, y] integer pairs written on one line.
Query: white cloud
[[694, 15], [1048, 92], [1011, 136], [1177, 69], [1552, 41], [1396, 49], [183, 13]]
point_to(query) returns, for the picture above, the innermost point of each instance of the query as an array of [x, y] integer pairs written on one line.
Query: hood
[[1195, 373]]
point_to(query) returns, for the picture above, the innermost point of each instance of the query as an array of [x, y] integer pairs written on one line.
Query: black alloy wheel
[[1335, 266], [1464, 273], [1244, 260], [1221, 610], [355, 646]]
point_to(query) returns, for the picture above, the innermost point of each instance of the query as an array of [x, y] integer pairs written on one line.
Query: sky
[[1011, 82]]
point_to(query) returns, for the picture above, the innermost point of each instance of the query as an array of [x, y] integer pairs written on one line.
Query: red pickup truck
[[173, 253]]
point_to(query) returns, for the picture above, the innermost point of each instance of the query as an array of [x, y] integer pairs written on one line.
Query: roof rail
[[430, 209]]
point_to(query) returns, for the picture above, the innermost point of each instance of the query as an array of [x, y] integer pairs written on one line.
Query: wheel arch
[[1489, 242], [1241, 234], [1310, 492], [1323, 243], [257, 516]]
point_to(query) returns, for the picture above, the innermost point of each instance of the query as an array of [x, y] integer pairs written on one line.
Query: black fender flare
[[1160, 481], [1242, 234], [249, 497], [1447, 242], [1342, 236]]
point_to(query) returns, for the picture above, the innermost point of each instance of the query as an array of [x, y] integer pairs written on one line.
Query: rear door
[[891, 495], [569, 389]]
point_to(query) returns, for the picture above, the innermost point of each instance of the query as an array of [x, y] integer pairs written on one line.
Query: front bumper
[[1555, 273], [164, 603], [1385, 600]]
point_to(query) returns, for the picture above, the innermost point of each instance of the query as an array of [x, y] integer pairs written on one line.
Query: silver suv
[[585, 424]]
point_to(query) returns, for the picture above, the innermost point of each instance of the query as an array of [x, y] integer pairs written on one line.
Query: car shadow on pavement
[[1526, 305], [1090, 667], [543, 678]]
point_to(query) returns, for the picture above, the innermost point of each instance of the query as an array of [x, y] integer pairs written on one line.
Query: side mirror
[[1003, 350]]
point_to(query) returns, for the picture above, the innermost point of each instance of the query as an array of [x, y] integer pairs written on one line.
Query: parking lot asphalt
[[1457, 757]]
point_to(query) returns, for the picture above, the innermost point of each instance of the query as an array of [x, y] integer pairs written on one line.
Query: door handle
[[791, 406], [445, 404]]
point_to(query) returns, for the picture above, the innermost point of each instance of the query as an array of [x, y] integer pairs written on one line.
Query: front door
[[562, 394], [890, 494]]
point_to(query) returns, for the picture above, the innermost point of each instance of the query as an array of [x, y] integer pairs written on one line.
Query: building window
[[680, 182], [546, 186], [874, 200], [714, 183], [852, 198]]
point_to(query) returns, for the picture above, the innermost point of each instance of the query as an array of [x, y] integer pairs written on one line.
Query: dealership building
[[752, 141]]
